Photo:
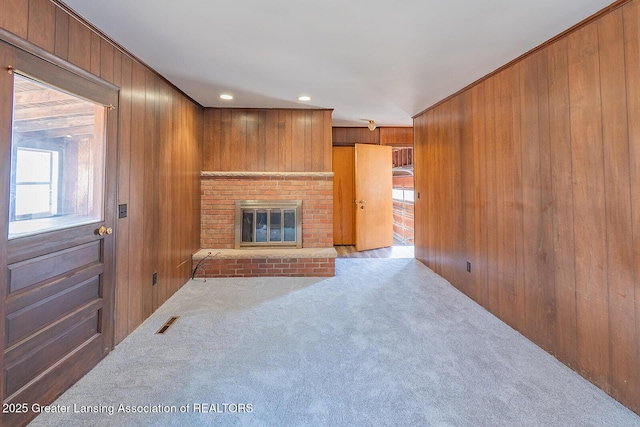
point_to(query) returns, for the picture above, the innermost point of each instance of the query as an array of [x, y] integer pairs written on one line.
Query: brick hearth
[[220, 190], [265, 262]]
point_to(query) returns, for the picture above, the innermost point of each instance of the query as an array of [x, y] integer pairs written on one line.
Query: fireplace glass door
[[268, 223]]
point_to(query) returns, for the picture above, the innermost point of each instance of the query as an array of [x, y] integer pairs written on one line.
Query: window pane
[[33, 166], [409, 196], [33, 199], [58, 150]]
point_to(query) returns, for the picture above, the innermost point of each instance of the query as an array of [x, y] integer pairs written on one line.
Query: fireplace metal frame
[[268, 205]]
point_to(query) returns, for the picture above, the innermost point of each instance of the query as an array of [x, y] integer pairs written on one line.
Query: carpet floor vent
[[167, 324]]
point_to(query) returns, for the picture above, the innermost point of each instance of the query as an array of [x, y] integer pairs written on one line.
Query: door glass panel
[[57, 159]]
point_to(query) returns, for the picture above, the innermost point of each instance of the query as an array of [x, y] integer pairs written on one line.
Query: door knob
[[104, 230]]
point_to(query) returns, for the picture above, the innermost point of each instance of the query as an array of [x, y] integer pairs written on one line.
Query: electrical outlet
[[468, 267], [122, 211]]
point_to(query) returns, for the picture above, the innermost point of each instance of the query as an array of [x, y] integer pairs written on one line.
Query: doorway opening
[[373, 201], [403, 197]]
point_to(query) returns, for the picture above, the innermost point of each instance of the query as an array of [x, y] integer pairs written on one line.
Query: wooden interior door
[[373, 191], [58, 141], [344, 215]]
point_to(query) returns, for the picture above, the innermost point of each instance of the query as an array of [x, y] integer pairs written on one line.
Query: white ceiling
[[367, 59]]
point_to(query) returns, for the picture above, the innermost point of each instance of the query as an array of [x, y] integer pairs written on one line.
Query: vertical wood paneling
[[546, 288], [261, 140], [150, 190], [550, 201], [238, 142], [515, 200], [307, 140], [328, 157], [252, 141], [298, 125], [42, 24], [467, 196], [631, 19], [436, 198], [79, 44], [562, 196], [531, 196], [589, 207], [226, 148], [136, 198], [211, 153], [117, 68], [492, 206], [106, 61], [61, 43], [272, 144], [538, 282], [476, 198], [15, 16], [317, 140], [166, 235], [453, 197], [285, 135], [267, 140], [122, 302], [355, 135], [397, 136], [95, 54], [506, 256], [618, 202], [429, 195]]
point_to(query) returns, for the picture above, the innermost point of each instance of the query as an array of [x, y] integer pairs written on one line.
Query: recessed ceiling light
[[304, 98], [226, 96]]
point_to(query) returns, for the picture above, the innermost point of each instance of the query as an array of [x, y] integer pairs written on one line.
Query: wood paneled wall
[[267, 140], [533, 176], [352, 136], [160, 132], [396, 136]]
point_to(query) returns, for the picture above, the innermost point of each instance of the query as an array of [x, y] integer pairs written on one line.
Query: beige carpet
[[384, 343]]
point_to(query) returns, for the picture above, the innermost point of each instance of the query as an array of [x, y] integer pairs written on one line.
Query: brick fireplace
[[221, 191]]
